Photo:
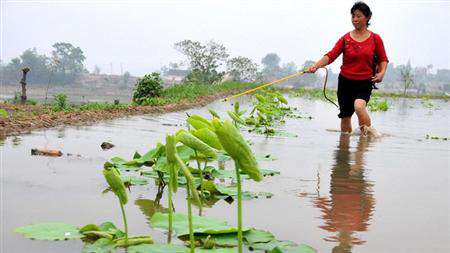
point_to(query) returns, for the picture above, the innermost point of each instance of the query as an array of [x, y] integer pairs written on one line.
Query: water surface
[[336, 193]]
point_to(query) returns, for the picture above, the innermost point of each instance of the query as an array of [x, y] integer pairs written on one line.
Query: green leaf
[[251, 236], [299, 249], [157, 248], [269, 172], [195, 143], [102, 245], [154, 174], [203, 225], [172, 248], [107, 226], [217, 189], [134, 180], [219, 250], [221, 240], [118, 160], [136, 240], [258, 236], [224, 174], [3, 113], [50, 231], [110, 228], [235, 145], [89, 227], [267, 157], [266, 246]]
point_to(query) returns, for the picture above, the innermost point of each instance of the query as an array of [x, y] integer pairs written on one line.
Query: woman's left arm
[[382, 58], [378, 77]]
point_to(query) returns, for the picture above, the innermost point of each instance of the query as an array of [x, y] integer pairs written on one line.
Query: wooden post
[[23, 82]]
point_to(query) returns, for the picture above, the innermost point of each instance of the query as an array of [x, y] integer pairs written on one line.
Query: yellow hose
[[281, 80], [265, 85]]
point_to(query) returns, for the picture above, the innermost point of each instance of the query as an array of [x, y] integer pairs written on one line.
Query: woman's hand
[[312, 69], [378, 77]]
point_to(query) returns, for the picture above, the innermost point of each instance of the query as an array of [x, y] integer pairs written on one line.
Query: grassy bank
[[17, 119], [171, 95], [179, 92]]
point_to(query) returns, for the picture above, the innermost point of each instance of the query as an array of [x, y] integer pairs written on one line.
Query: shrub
[[60, 103], [148, 87]]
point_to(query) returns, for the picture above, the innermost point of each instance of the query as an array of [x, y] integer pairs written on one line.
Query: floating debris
[[106, 145], [46, 152]]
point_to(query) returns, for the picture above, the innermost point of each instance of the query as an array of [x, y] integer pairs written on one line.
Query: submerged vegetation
[[434, 137]]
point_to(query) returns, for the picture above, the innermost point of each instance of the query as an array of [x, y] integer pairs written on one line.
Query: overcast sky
[[141, 34]]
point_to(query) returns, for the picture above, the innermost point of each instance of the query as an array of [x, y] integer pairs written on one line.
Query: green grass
[[313, 93], [376, 104], [101, 106], [316, 93], [190, 91]]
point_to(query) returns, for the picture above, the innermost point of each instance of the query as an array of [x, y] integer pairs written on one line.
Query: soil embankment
[[39, 117]]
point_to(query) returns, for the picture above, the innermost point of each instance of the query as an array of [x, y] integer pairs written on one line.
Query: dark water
[[336, 193]]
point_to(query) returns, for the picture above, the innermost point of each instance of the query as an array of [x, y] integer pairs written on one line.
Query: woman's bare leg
[[363, 115], [346, 124]]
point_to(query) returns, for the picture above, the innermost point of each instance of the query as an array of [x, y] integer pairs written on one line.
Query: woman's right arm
[[320, 63], [328, 57]]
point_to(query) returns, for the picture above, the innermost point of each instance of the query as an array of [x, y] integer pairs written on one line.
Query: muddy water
[[335, 193]]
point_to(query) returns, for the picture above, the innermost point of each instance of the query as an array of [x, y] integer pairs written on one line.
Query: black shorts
[[348, 91]]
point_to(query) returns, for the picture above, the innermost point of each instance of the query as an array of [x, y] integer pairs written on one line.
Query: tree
[[69, 62], [242, 69], [39, 64], [126, 78], [407, 76], [204, 60], [288, 69], [271, 65], [96, 70]]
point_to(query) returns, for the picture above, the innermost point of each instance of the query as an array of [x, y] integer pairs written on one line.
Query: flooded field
[[337, 193]]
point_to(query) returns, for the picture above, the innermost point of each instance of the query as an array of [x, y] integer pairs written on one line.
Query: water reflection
[[351, 203], [16, 141], [61, 133], [149, 207]]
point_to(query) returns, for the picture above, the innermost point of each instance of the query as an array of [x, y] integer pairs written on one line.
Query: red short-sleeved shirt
[[358, 56]]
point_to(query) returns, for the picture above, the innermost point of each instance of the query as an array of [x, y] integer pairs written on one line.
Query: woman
[[364, 63]]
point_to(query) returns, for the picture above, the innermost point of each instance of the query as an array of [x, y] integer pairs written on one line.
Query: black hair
[[364, 8]]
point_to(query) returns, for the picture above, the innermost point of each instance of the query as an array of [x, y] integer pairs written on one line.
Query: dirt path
[[25, 124]]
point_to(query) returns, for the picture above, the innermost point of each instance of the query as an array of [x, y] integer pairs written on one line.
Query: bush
[[149, 86], [60, 103]]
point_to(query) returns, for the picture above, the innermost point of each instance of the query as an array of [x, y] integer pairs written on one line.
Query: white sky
[[141, 34]]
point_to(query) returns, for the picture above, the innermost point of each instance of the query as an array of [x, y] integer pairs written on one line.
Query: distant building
[[173, 76]]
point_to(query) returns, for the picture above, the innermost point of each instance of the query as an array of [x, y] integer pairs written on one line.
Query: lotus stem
[[239, 192], [124, 217], [169, 238], [201, 176], [191, 231]]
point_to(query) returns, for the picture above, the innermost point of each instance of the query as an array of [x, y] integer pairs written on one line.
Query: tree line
[[209, 63], [64, 66]]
